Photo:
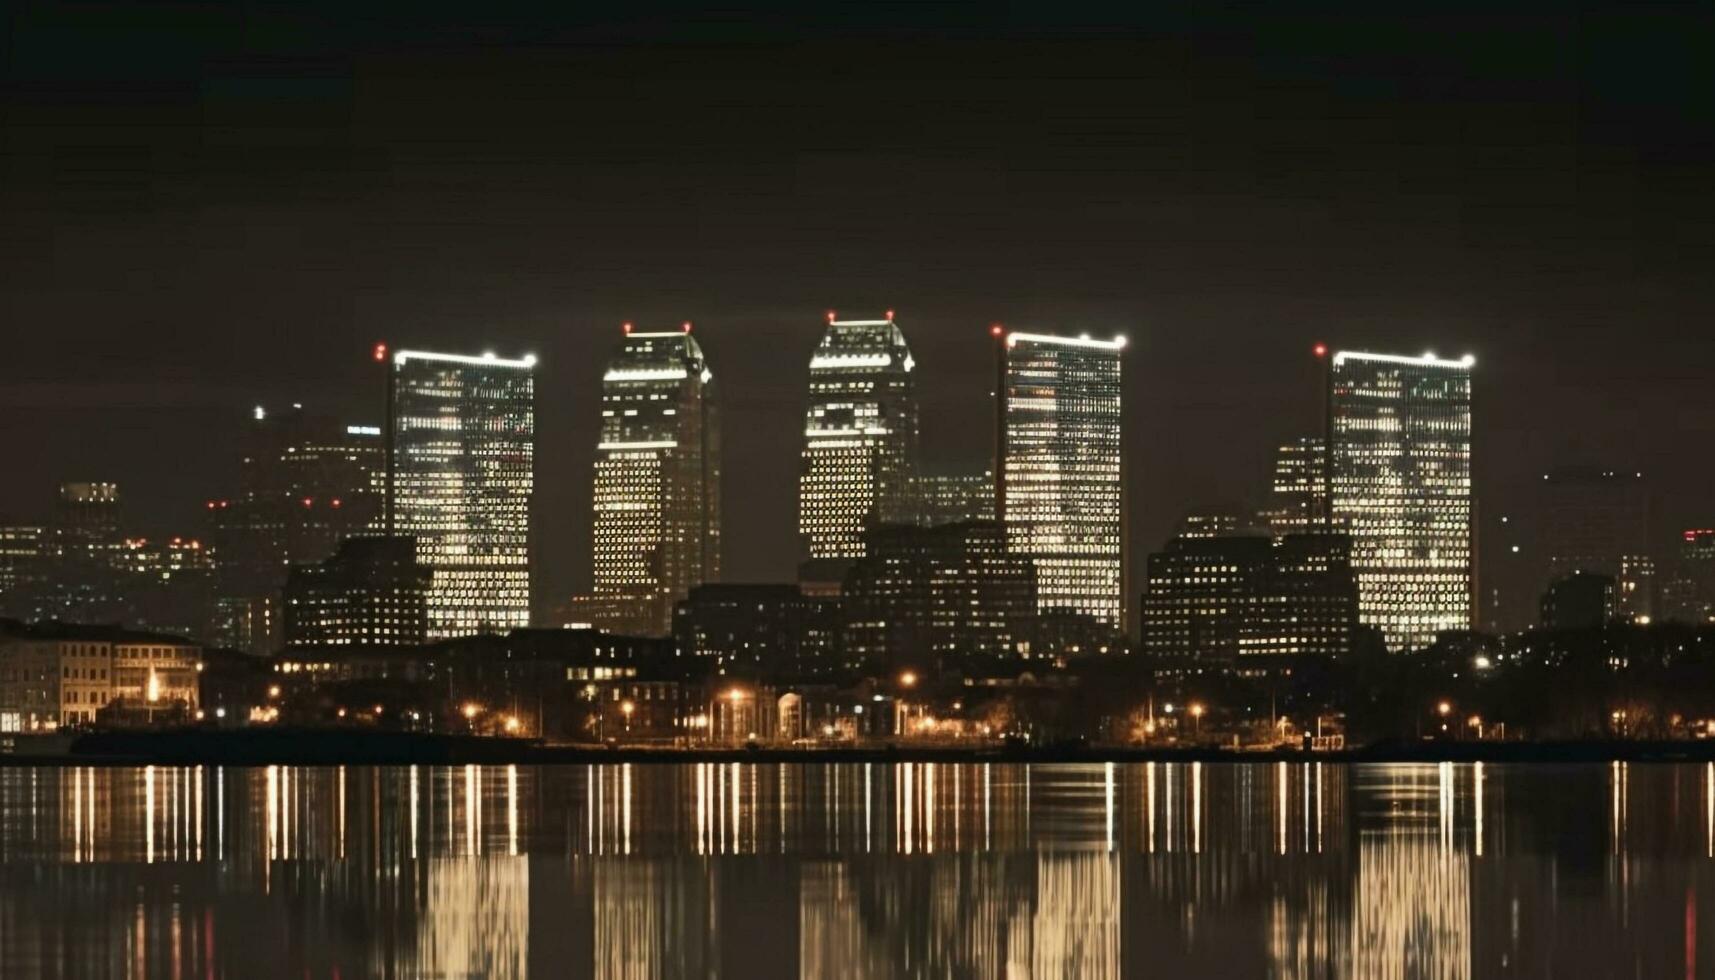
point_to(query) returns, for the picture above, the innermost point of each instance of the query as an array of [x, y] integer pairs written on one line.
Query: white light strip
[[658, 444], [645, 374], [843, 433], [363, 430], [1427, 360], [486, 360], [860, 323], [1118, 343], [660, 333], [821, 361]]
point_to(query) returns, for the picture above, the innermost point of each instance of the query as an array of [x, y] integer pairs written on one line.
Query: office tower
[[860, 443], [1400, 484], [1215, 522], [460, 478], [1689, 595], [80, 580], [305, 482], [166, 584], [776, 630], [23, 548], [950, 496], [1061, 473], [1298, 489], [1597, 519], [1579, 600], [657, 483], [1244, 595], [947, 591], [371, 593]]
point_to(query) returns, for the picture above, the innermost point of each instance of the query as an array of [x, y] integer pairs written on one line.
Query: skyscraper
[[1597, 519], [1298, 491], [1060, 477], [860, 442], [1399, 471], [657, 483], [306, 482], [461, 471]]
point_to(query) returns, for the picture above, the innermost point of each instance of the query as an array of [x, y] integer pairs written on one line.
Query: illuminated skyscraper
[[1061, 487], [1400, 483], [461, 471], [1299, 487], [657, 483], [860, 442]]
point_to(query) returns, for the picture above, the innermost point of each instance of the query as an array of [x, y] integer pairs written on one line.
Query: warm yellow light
[[1196, 711], [627, 707], [273, 690], [908, 679], [471, 710], [735, 695], [511, 723], [1445, 708]]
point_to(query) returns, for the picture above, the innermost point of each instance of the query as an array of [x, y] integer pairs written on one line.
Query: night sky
[[207, 206]]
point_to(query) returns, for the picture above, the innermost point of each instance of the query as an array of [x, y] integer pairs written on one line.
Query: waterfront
[[1290, 869]]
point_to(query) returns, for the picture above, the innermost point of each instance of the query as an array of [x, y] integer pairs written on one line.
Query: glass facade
[[1062, 492], [460, 481], [860, 439], [1400, 484], [657, 483]]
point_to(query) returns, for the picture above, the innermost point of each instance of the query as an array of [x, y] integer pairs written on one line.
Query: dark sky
[[204, 206]]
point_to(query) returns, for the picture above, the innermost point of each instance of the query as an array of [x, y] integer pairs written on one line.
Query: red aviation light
[[308, 501], [831, 315], [1321, 350], [380, 353], [996, 330], [687, 326], [890, 316], [626, 326]]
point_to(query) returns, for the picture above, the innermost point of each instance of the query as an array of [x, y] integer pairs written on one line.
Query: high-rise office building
[[1399, 473], [1298, 488], [1061, 474], [860, 443], [371, 593], [657, 483], [460, 478], [1247, 595], [950, 590], [949, 496], [306, 482], [1597, 519], [1689, 595]]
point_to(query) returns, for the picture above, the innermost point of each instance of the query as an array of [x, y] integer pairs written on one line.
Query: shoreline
[[290, 747]]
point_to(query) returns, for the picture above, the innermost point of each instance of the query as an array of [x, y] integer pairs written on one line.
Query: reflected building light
[[625, 804], [929, 808], [1280, 806], [512, 811], [1196, 808], [1076, 931], [471, 781], [1411, 904], [1149, 804], [1477, 792], [1108, 801], [415, 803]]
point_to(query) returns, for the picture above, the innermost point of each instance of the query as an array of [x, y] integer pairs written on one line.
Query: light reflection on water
[[1286, 869]]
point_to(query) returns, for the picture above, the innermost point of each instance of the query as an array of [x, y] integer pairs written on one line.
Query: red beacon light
[[308, 501], [996, 330], [380, 353], [1321, 350], [626, 326], [831, 316], [890, 316], [687, 326]]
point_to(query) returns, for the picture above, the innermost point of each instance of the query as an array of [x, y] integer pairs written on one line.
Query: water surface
[[859, 870]]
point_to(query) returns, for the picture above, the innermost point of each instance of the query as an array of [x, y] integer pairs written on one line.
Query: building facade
[[1579, 600], [1400, 484], [1061, 473], [306, 482], [461, 477], [947, 591], [1221, 598], [54, 675], [768, 629], [657, 483], [948, 496], [1689, 594], [1298, 487], [859, 463], [371, 593], [1597, 519]]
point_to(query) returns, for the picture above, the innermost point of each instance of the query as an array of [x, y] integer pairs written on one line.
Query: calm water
[[744, 871]]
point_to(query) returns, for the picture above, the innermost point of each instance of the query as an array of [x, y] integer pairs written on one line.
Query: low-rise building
[[54, 675], [372, 593]]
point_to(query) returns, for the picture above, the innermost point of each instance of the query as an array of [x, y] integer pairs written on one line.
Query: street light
[[1445, 708], [908, 679], [626, 708], [1197, 718]]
